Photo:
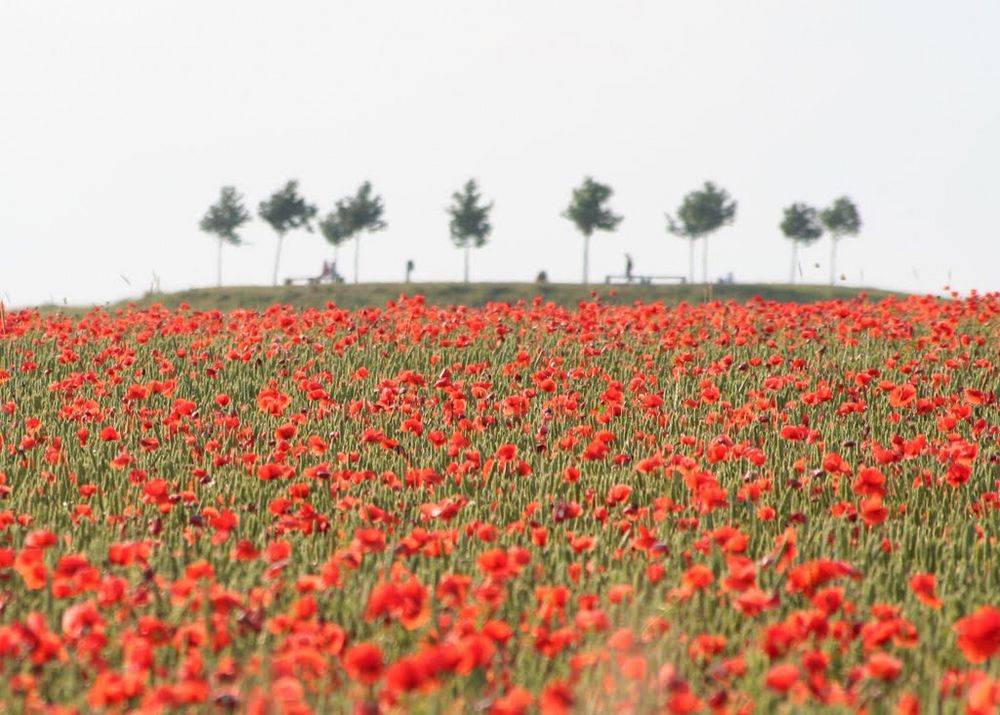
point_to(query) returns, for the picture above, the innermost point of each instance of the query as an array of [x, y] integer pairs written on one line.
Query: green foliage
[[470, 220], [226, 216], [702, 212], [587, 211], [361, 212], [333, 229], [286, 210], [355, 214], [842, 218], [801, 223]]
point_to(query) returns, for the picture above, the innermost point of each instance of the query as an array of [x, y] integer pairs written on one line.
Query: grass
[[477, 294], [614, 506]]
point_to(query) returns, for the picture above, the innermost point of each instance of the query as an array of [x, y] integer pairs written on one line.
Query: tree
[[223, 219], [286, 211], [334, 232], [470, 220], [587, 212], [701, 214], [359, 213], [841, 219], [801, 224]]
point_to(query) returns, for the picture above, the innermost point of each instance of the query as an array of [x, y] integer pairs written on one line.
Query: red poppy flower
[[923, 584], [979, 634], [882, 666], [363, 663], [782, 677], [557, 699]]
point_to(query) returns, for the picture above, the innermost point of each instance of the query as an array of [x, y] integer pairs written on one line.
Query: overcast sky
[[119, 121]]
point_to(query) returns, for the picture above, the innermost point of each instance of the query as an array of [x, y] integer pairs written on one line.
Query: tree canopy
[[355, 214], [286, 210], [226, 216], [842, 218], [702, 212], [361, 212], [470, 219], [587, 211], [332, 229], [801, 223]]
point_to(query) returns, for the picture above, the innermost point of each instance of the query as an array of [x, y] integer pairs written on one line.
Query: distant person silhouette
[[628, 268]]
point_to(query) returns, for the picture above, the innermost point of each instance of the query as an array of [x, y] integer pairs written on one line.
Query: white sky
[[119, 121]]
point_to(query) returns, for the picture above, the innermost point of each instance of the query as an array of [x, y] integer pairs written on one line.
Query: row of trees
[[706, 210], [285, 211], [804, 225], [701, 213]]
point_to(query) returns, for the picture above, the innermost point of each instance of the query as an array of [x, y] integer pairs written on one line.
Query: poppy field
[[517, 508]]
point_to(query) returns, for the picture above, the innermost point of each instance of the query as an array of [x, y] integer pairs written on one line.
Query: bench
[[312, 280], [644, 280]]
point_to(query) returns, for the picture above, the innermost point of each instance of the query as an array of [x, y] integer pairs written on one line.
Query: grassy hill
[[369, 294]]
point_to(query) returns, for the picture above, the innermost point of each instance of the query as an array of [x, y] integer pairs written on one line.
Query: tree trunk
[[586, 258], [277, 259], [357, 249], [704, 260], [218, 266], [466, 263], [833, 260], [795, 261], [691, 261]]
